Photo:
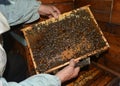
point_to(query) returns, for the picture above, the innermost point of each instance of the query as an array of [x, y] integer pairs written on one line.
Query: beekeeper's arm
[[36, 80], [25, 11], [65, 74]]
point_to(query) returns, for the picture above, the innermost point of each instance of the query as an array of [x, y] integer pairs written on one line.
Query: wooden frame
[[53, 20]]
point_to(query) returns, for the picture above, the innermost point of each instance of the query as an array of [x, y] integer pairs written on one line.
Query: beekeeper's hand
[[49, 10], [68, 72]]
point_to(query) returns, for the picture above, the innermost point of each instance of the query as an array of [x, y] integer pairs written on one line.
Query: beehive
[[52, 43]]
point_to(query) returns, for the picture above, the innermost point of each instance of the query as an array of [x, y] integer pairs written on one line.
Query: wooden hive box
[[52, 43]]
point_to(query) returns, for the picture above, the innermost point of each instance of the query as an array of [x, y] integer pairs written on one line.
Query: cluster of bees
[[77, 34]]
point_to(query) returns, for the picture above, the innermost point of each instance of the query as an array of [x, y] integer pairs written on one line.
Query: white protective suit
[[3, 28], [36, 80]]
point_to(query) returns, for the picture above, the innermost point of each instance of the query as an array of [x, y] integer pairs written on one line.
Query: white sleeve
[[36, 80], [20, 11]]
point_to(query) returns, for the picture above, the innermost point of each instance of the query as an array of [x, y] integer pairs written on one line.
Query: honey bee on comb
[[55, 41]]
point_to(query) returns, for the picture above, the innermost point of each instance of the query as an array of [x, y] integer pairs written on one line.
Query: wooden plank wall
[[116, 12], [103, 10], [100, 8], [112, 34]]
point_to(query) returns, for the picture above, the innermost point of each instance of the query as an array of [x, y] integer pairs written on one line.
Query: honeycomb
[[54, 42]]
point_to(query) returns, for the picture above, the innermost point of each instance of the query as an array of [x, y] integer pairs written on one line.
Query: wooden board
[[92, 77], [75, 34]]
